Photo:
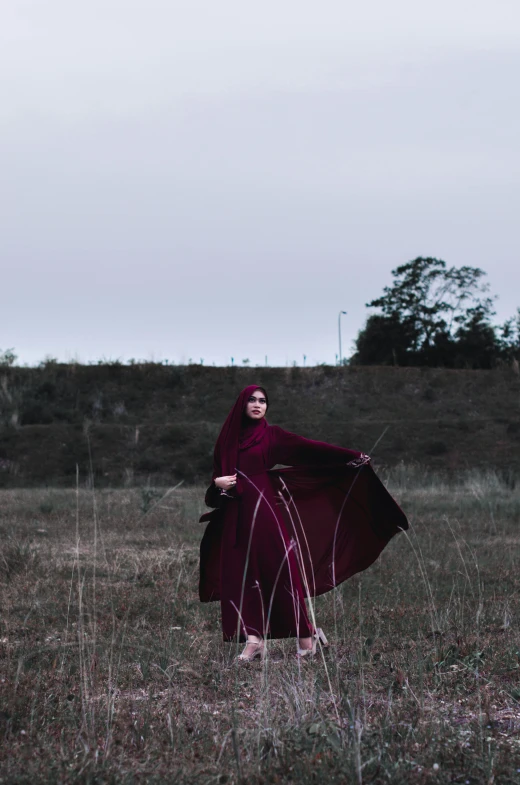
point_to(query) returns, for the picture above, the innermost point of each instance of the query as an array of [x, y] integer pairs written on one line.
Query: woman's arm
[[219, 488], [292, 450]]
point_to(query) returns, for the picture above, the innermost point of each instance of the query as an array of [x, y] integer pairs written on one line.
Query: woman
[[277, 536]]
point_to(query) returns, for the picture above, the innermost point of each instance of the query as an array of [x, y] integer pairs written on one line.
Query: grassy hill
[[150, 422]]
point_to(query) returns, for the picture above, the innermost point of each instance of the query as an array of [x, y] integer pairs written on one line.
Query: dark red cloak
[[308, 527]]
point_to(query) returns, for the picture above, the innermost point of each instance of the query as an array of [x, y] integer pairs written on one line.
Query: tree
[[509, 340], [385, 340], [476, 344], [426, 313], [7, 357]]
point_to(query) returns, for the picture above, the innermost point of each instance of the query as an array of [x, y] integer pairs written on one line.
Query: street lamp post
[[339, 332]]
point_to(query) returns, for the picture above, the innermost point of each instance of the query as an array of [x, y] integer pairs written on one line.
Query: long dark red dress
[[293, 533]]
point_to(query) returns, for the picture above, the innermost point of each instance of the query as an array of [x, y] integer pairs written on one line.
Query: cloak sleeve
[[290, 449], [210, 546], [335, 507], [213, 497]]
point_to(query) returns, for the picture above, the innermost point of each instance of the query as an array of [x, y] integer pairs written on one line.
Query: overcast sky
[[207, 179]]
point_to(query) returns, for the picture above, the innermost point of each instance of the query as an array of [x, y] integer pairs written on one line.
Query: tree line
[[432, 315], [435, 315]]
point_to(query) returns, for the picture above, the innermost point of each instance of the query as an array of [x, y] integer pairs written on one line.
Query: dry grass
[[112, 671]]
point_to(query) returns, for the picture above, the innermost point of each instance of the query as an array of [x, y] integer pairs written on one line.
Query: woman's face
[[256, 406]]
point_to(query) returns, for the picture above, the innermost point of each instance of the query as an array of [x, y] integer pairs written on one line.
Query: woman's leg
[[287, 612], [261, 587]]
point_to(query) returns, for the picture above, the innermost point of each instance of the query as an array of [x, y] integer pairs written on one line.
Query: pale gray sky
[[205, 179]]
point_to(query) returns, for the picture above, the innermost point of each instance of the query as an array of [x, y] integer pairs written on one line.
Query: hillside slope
[[159, 423]]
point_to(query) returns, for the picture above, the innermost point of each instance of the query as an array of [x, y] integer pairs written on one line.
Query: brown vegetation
[[113, 672]]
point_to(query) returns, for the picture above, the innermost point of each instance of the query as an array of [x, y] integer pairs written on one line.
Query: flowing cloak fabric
[[289, 533]]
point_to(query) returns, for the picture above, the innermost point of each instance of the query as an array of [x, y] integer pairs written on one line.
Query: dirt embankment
[[158, 423]]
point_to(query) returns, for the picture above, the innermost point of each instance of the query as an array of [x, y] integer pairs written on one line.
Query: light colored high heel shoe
[[322, 637], [319, 635], [258, 651]]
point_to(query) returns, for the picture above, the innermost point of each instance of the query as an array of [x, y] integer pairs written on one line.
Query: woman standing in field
[[277, 536]]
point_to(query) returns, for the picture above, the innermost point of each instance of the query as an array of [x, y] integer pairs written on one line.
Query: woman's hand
[[226, 483], [361, 461]]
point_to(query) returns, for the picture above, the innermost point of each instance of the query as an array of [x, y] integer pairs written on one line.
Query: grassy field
[[113, 672]]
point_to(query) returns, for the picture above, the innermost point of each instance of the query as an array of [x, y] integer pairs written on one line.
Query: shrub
[[149, 496], [17, 556], [36, 414], [175, 435], [437, 448]]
